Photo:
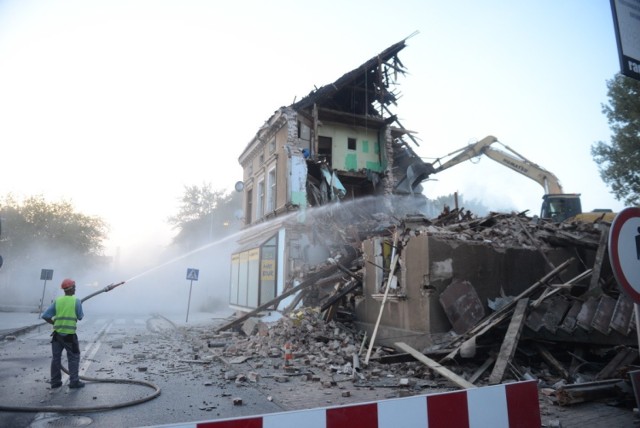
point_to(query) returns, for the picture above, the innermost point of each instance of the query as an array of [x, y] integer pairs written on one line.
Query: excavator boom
[[556, 204], [510, 158]]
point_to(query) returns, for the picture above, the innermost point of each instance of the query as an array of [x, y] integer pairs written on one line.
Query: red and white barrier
[[502, 406]]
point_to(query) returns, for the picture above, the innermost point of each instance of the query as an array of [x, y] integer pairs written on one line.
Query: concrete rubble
[[571, 328]]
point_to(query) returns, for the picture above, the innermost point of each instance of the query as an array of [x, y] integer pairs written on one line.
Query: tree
[[205, 215], [53, 225], [619, 162], [40, 235]]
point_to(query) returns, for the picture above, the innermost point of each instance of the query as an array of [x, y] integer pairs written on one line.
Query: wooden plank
[[569, 322], [556, 288], [311, 280], [590, 391], [510, 342], [604, 313], [392, 269], [622, 315], [482, 369], [600, 256], [552, 361], [587, 311], [435, 366], [623, 358]]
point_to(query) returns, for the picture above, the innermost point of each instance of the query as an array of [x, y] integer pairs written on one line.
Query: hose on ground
[[58, 409]]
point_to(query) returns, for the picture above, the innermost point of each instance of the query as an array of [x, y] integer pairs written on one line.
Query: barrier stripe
[[447, 410], [523, 404], [358, 416], [513, 405]]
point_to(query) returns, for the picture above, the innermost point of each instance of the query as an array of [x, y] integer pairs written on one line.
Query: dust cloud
[[154, 283]]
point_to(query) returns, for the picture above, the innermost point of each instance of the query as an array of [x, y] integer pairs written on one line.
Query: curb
[[20, 331]]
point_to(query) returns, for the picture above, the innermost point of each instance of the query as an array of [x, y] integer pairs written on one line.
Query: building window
[[324, 148], [271, 190], [261, 159], [351, 143], [272, 146], [260, 201], [249, 208]]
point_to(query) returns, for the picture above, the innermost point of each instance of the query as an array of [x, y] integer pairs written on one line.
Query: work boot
[[77, 384], [56, 385]]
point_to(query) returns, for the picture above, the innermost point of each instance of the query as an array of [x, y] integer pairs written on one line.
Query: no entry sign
[[624, 251]]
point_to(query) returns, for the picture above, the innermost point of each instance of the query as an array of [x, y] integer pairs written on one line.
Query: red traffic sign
[[624, 251]]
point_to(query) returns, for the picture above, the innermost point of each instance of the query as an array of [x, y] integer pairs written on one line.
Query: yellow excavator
[[557, 206]]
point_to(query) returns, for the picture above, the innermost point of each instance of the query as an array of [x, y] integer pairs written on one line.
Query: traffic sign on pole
[[192, 275], [624, 251], [45, 275]]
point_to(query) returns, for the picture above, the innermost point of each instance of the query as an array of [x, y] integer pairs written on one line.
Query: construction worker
[[63, 314]]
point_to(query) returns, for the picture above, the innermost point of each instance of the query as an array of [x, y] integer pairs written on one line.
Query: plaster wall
[[366, 154], [427, 266]]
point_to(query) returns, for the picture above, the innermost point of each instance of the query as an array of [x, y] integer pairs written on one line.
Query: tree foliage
[[619, 162], [205, 215], [50, 224], [37, 235]]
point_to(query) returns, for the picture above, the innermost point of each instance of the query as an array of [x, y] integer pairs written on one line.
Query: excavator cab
[[559, 207]]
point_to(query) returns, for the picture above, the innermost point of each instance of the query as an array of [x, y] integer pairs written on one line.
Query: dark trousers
[[70, 344]]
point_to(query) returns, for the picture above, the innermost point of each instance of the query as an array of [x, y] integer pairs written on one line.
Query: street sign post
[[45, 275], [627, 28], [192, 275]]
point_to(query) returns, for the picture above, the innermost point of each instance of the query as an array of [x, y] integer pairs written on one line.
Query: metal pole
[[637, 308], [189, 302], [42, 300]]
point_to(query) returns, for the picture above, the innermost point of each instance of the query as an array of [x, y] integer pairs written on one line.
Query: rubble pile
[[323, 350], [556, 312], [508, 230]]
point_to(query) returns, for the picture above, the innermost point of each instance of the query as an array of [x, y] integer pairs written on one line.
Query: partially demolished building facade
[[332, 213], [341, 142], [335, 223]]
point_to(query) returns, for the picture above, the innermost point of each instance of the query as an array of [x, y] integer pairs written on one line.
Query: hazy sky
[[117, 105]]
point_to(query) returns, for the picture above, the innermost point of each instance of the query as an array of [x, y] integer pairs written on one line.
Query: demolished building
[[332, 203], [340, 142]]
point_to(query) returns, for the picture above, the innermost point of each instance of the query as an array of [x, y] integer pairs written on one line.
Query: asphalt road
[[194, 385], [149, 348]]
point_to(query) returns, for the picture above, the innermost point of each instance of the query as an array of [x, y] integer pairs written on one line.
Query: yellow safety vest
[[65, 320]]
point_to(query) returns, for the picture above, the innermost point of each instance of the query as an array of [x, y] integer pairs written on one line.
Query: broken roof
[[358, 90]]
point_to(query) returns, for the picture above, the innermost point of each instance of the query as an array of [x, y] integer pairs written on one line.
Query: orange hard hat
[[67, 284]]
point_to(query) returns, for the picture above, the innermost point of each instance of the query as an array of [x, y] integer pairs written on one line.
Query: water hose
[[104, 290], [56, 409]]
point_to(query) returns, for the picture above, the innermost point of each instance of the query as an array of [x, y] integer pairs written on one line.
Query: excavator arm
[[556, 205], [510, 158]]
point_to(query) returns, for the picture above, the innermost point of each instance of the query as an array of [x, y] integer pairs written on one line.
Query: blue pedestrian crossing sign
[[192, 274]]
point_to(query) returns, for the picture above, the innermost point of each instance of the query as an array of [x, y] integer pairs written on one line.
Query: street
[[180, 359], [150, 348]]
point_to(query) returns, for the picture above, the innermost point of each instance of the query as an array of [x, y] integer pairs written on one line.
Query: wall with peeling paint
[[367, 152]]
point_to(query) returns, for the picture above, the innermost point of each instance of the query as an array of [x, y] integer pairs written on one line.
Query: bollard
[[288, 355]]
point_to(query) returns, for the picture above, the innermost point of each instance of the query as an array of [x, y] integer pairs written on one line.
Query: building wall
[[427, 266], [266, 155], [366, 154]]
